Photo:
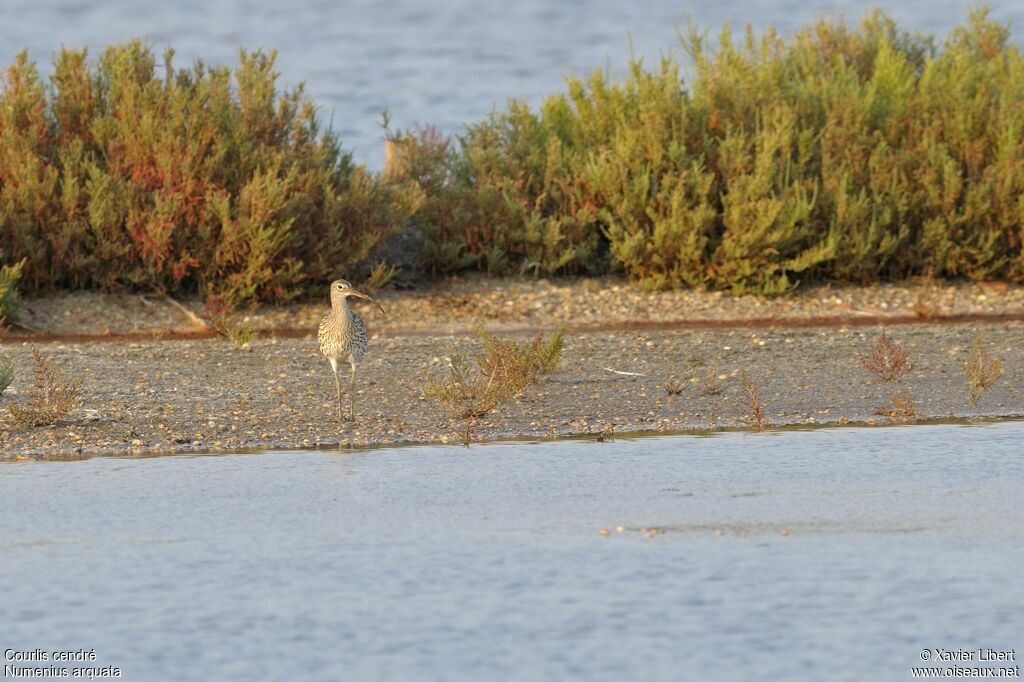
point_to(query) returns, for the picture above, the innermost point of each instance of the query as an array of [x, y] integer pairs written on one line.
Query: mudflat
[[160, 382]]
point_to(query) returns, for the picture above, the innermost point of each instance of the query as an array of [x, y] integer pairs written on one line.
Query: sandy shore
[[150, 395]]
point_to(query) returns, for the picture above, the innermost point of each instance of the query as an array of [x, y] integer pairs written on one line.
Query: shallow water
[[486, 563], [445, 63]]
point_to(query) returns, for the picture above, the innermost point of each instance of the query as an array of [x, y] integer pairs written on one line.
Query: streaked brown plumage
[[342, 337]]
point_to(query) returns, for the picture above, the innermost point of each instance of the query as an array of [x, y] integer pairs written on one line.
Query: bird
[[342, 337]]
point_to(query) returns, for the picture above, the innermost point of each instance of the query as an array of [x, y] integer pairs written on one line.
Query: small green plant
[[708, 381], [10, 299], [981, 370], [468, 393], [501, 373], [548, 353], [752, 407], [672, 386], [520, 365], [51, 397], [887, 361], [235, 331], [466, 390], [6, 374], [226, 323], [711, 384]]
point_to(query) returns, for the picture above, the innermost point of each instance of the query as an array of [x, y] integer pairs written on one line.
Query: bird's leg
[[337, 383], [352, 395]]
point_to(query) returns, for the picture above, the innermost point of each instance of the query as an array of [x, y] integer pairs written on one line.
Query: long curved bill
[[362, 295]]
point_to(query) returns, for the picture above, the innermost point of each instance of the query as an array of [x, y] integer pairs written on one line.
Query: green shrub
[[517, 365], [502, 372], [846, 153], [504, 203], [10, 299], [206, 179]]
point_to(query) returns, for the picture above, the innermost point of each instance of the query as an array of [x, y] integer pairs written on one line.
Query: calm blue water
[[445, 63], [444, 563]]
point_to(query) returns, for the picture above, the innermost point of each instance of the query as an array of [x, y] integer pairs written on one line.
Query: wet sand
[[173, 395]]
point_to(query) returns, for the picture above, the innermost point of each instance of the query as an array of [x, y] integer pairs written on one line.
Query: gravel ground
[[157, 396], [454, 306]]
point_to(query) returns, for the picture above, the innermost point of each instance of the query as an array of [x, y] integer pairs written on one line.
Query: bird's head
[[341, 289]]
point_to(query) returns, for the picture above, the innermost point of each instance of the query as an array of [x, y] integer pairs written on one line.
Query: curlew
[[342, 337]]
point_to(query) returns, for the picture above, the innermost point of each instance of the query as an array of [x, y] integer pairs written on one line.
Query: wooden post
[[397, 157]]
